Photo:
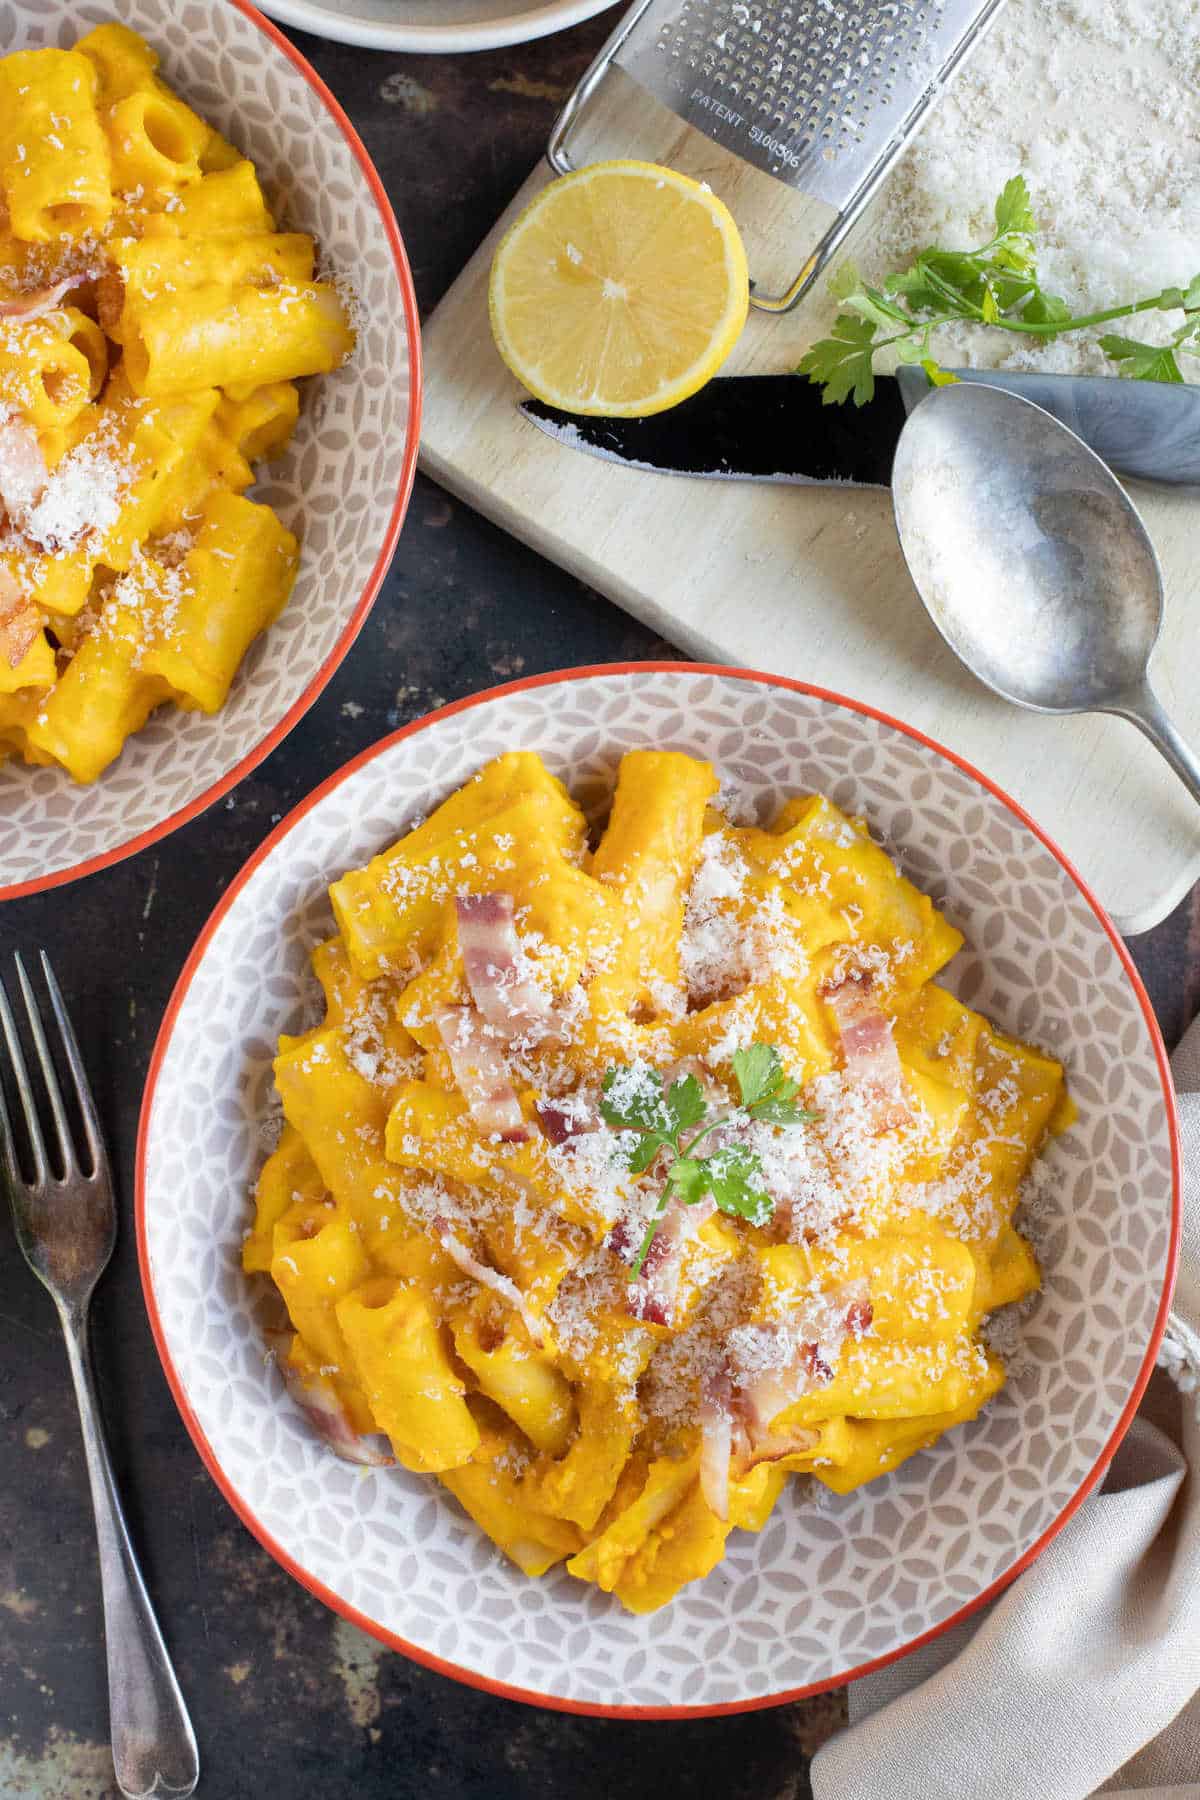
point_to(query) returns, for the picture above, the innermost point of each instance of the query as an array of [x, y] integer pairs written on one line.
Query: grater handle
[[559, 158], [588, 83], [830, 242]]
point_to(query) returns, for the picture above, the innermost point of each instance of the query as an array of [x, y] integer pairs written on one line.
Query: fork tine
[[9, 1166], [93, 1136], [28, 1106], [66, 1143]]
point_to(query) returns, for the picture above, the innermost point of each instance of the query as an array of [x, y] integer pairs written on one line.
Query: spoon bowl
[[1031, 559]]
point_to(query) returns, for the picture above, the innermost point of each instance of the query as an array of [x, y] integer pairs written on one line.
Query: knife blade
[[774, 427]]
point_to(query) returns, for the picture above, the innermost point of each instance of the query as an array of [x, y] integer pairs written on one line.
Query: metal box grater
[[821, 94]]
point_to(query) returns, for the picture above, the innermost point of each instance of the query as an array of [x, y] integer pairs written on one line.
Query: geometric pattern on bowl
[[343, 483], [832, 1584]]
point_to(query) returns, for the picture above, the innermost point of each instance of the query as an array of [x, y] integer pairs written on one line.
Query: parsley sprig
[[672, 1122], [995, 285]]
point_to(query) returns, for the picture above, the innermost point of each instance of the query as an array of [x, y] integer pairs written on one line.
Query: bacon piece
[[730, 1448], [736, 1420], [652, 1294], [558, 1125], [318, 1400], [869, 1048], [23, 474], [20, 619], [488, 1277], [481, 1073], [18, 630], [773, 1446], [491, 953], [23, 307], [810, 1365], [764, 1398], [860, 1315], [620, 1241]]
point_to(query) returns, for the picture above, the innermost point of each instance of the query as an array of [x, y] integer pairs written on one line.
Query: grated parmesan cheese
[[1095, 102], [83, 494]]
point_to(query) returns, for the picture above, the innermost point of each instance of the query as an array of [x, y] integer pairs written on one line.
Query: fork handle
[[153, 1745]]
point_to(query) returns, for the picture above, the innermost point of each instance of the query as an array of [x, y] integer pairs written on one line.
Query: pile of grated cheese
[[1094, 101], [82, 496]]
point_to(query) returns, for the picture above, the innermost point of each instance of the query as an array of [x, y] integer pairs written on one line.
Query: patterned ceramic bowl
[[832, 1586], [344, 483]]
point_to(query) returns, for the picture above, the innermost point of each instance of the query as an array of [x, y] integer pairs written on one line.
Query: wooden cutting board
[[810, 582]]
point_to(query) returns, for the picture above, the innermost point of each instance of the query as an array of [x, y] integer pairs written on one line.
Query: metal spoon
[[1032, 561]]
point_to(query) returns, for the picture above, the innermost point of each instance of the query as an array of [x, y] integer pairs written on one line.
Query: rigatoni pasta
[[153, 325], [54, 155], [234, 335], [620, 1184]]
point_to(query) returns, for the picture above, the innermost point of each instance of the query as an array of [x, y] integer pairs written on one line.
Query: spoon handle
[[1145, 710]]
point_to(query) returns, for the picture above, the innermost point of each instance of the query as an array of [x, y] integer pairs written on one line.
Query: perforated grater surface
[[821, 94]]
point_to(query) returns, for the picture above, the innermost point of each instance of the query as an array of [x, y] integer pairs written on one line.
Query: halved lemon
[[620, 290]]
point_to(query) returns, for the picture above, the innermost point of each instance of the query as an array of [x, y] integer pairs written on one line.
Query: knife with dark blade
[[774, 427]]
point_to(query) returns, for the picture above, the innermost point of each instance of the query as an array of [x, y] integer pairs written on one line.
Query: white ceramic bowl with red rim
[[832, 1586], [342, 486]]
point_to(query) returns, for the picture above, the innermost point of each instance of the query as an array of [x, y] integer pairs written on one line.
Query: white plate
[[343, 484], [433, 26], [826, 1590]]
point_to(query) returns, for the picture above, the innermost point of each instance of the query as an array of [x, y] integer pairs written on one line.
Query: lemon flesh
[[619, 291]]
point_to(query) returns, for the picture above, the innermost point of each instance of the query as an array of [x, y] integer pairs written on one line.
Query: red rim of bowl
[[471, 1677], [153, 834]]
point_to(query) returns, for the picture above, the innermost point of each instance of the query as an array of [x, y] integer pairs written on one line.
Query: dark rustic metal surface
[[287, 1700]]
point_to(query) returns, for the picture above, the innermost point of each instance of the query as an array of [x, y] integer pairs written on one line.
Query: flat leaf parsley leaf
[[1014, 213], [1144, 362], [842, 363], [766, 1092], [995, 285], [636, 1100]]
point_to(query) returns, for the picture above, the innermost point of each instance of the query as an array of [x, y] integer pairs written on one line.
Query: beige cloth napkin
[[1084, 1677]]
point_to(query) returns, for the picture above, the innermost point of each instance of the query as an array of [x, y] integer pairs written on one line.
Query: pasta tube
[[155, 144], [149, 272], [253, 335], [104, 694], [45, 374], [224, 202], [260, 420], [35, 670], [123, 61], [406, 1375], [235, 580], [54, 161], [316, 1260]]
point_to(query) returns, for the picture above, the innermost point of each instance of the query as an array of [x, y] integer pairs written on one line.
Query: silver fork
[[66, 1226]]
